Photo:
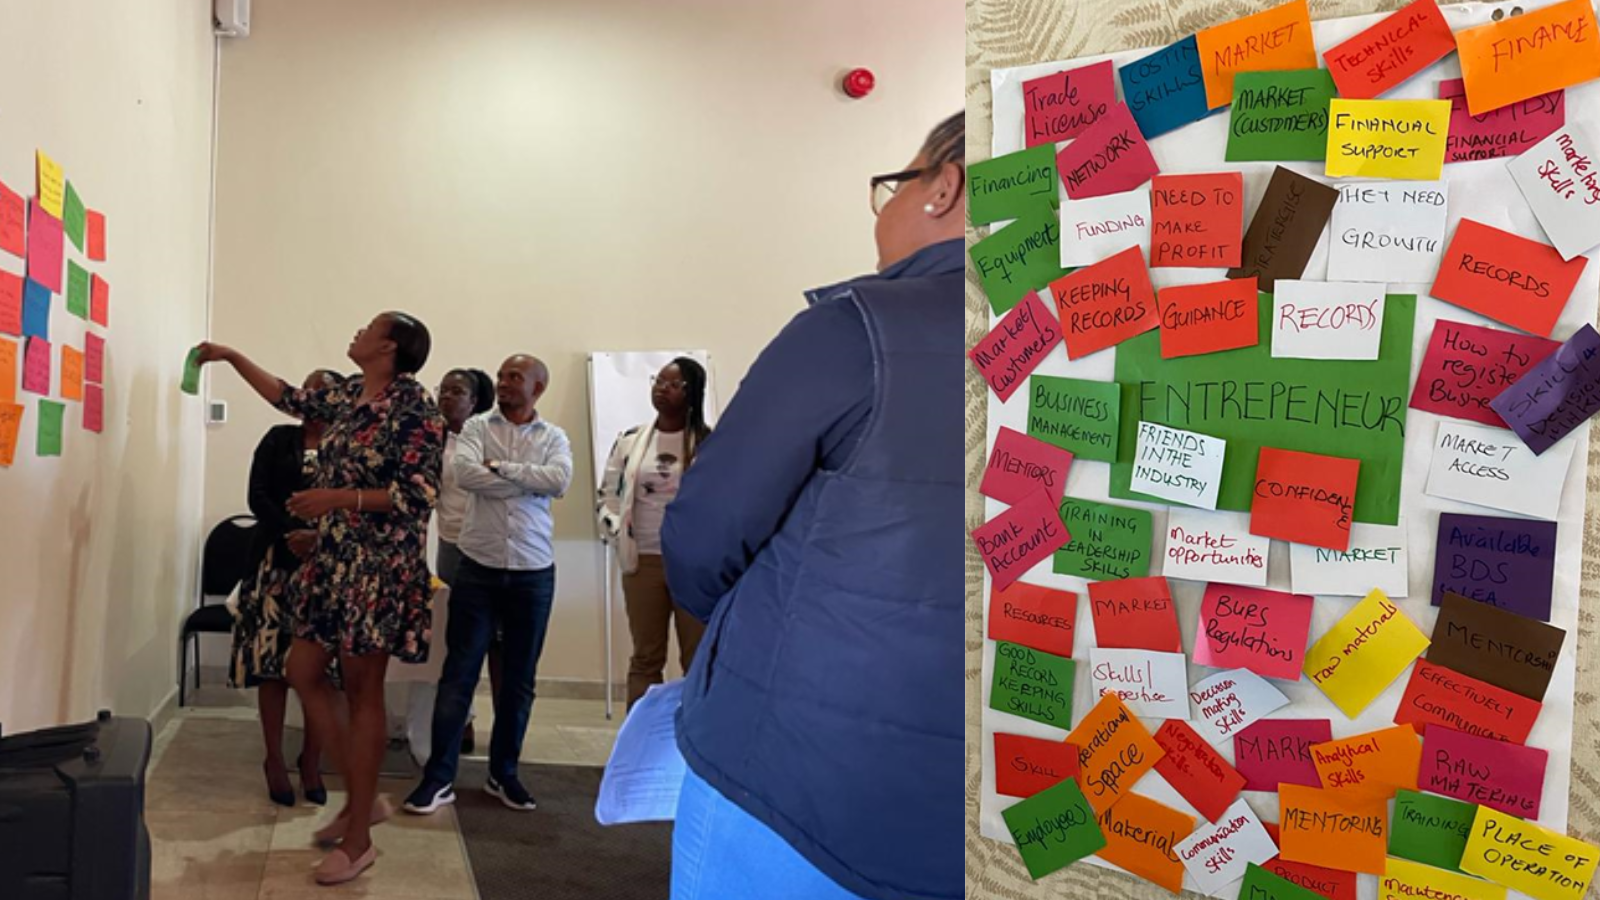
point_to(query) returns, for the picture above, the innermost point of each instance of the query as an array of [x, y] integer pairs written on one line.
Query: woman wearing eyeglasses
[[819, 534], [642, 475]]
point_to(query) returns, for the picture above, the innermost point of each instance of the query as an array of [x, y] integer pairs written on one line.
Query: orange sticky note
[[8, 371], [10, 426], [1523, 56], [1140, 834], [1279, 38], [71, 373], [1207, 318], [1332, 829], [1114, 751], [1374, 764]]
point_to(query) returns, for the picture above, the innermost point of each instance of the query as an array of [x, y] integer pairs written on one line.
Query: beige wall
[[97, 547], [552, 177]]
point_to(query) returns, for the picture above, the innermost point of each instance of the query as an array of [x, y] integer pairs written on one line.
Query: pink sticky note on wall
[[1482, 770], [94, 408], [1020, 465], [1019, 538], [1110, 157], [44, 249], [1060, 107], [36, 366], [1016, 346], [94, 358]]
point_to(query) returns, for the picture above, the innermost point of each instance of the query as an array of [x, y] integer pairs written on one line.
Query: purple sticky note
[[1506, 563], [1277, 751], [36, 366], [1553, 398], [1497, 774], [44, 249], [1109, 157]]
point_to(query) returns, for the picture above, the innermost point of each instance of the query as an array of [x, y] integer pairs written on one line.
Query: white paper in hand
[[645, 771], [1389, 231]]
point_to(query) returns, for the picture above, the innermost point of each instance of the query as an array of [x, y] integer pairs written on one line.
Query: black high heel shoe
[[282, 798], [318, 795]]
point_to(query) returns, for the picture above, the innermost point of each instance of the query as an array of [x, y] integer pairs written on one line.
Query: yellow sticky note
[[1528, 858], [1403, 879], [52, 185], [1363, 653], [1278, 38], [1388, 138]]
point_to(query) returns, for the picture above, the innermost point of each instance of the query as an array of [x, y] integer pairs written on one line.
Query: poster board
[[619, 394]]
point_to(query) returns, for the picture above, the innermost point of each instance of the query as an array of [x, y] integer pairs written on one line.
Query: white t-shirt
[[452, 506], [659, 475]]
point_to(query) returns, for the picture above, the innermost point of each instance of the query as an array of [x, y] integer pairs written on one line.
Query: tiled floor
[[216, 836]]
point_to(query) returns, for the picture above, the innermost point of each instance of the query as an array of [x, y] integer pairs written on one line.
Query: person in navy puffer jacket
[[820, 535]]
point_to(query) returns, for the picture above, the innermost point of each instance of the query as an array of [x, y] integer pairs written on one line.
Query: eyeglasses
[[658, 381], [884, 186]]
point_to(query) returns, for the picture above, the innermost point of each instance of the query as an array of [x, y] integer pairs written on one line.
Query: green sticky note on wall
[[191, 372], [1076, 415], [1012, 185], [1430, 829], [1021, 257], [1054, 828], [1280, 116], [77, 290], [72, 217], [1108, 542], [1032, 684], [50, 416], [1259, 884]]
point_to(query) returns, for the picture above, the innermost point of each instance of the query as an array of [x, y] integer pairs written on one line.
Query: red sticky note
[[36, 366], [1019, 465], [1135, 614], [95, 223], [1104, 304], [1038, 617], [1481, 770], [94, 362], [94, 408], [1466, 366], [44, 249], [10, 304], [1020, 538], [1330, 883], [12, 213], [1278, 751], [1004, 357], [1024, 766], [1059, 107], [1507, 277], [99, 300], [1210, 317], [1197, 221], [1195, 770], [1253, 628], [1437, 695], [1109, 157], [1404, 43], [1306, 498]]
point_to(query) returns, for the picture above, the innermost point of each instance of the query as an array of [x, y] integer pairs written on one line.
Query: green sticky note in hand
[[1430, 829], [1032, 684], [191, 373], [1054, 828], [50, 415], [1260, 884], [1012, 185]]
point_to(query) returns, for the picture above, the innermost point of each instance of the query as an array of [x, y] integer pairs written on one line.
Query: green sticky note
[[77, 290], [1012, 185], [1247, 397], [72, 217], [1259, 884], [50, 415], [1430, 829], [1021, 257], [1054, 828], [1076, 415], [1108, 542], [191, 372], [1032, 684], [1280, 116]]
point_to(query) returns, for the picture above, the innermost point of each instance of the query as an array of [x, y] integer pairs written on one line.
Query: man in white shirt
[[514, 464]]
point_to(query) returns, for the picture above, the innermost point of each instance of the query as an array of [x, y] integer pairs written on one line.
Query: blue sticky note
[[35, 310], [1166, 89]]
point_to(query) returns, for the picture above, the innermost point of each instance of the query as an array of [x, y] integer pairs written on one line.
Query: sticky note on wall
[[1388, 138], [1521, 56], [1278, 38]]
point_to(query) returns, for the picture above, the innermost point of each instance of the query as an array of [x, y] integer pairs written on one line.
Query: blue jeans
[[721, 852], [520, 602]]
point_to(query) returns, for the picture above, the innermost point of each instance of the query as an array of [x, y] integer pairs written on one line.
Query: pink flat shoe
[[339, 868], [333, 832]]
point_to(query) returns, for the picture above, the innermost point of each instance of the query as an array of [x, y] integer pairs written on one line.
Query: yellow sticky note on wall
[[1279, 38], [1363, 653], [52, 185], [1388, 138], [1523, 56], [1403, 879], [1528, 858]]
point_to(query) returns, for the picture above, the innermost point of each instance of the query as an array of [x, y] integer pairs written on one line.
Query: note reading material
[[1489, 467], [71, 373], [72, 215], [1277, 38], [1280, 115], [1114, 751], [1037, 617], [1195, 770], [1496, 645], [1105, 304], [1154, 685], [1429, 829], [44, 249], [1437, 696], [36, 366], [52, 185], [99, 300], [1278, 751], [1327, 319], [1509, 563], [1197, 221], [1249, 628], [1076, 415], [1109, 157], [51, 416], [1228, 702], [1559, 179], [1404, 43], [10, 427], [1032, 685], [1521, 56], [1016, 346], [1482, 770], [1216, 854], [1388, 138], [1307, 498], [1059, 107], [94, 407], [1286, 228], [1206, 318], [1333, 828], [1054, 828], [13, 212], [95, 224], [1556, 396], [1507, 277], [1166, 89], [1213, 547], [1502, 132], [1180, 466], [10, 304], [77, 290], [1374, 764], [1525, 857], [1388, 232], [1140, 836], [1020, 465], [1135, 613], [1363, 653], [1467, 366], [1012, 185], [1108, 541], [1024, 766], [1094, 228], [1020, 538], [1376, 557], [1021, 257]]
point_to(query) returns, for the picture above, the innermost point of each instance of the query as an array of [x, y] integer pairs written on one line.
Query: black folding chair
[[223, 565]]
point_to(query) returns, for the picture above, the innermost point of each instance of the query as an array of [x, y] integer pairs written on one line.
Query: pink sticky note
[[36, 366], [1020, 538], [1482, 770], [1110, 157], [1016, 346], [1253, 628], [1060, 107], [1020, 465], [1278, 751], [44, 249], [1503, 132], [94, 358], [94, 408]]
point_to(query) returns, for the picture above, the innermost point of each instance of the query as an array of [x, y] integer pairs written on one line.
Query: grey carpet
[[558, 852]]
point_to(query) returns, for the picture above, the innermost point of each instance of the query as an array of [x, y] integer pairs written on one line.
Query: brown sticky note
[[1495, 645], [1286, 228]]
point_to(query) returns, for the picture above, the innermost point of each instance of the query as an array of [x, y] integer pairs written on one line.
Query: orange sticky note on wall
[[1374, 764], [1140, 834], [1332, 829], [1279, 38], [1523, 56], [8, 371], [1114, 751], [71, 373]]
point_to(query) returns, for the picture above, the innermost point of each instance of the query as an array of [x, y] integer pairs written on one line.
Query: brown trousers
[[650, 608]]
